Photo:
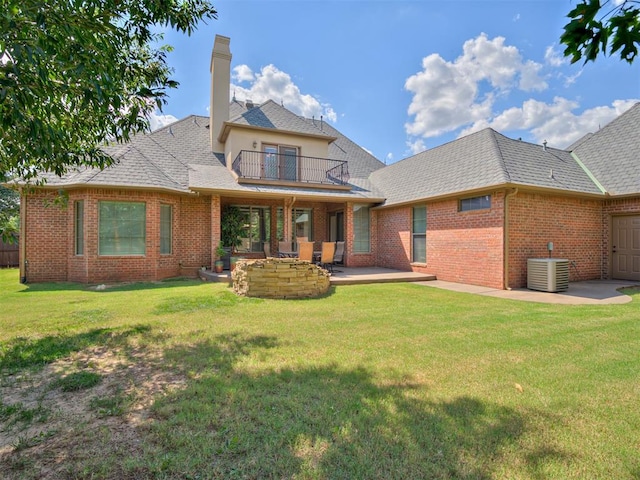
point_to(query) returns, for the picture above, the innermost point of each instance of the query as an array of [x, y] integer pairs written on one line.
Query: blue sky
[[398, 77]]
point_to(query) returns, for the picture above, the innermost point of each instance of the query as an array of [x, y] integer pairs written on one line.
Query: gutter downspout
[[505, 255], [22, 249]]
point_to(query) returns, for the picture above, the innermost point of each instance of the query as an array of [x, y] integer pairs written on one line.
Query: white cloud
[[242, 73], [416, 146], [449, 95], [554, 58], [156, 120], [554, 122], [273, 84], [571, 79]]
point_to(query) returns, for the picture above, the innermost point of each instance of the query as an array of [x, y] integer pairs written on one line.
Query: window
[[361, 240], [419, 234], [257, 228], [122, 229], [280, 162], [301, 223], [475, 203], [166, 228], [79, 227]]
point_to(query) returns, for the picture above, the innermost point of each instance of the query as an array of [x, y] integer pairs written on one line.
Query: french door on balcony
[[280, 162]]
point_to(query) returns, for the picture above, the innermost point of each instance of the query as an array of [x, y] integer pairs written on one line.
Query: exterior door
[[625, 248], [270, 161], [289, 159], [336, 227]]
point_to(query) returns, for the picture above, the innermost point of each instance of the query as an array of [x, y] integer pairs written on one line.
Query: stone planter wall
[[279, 278]]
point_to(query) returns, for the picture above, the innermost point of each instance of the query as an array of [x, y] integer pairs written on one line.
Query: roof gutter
[[227, 126], [72, 186], [493, 188], [280, 195]]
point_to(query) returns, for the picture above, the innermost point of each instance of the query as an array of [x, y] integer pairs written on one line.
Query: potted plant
[[232, 230], [218, 265]]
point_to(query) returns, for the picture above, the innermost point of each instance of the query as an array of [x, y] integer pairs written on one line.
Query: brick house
[[472, 210]]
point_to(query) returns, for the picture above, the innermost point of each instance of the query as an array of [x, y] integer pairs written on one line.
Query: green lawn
[[182, 379]]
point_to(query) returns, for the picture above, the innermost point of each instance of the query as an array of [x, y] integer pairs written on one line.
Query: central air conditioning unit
[[548, 274]]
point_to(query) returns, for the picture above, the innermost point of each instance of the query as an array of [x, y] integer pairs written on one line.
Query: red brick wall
[[623, 206], [394, 238], [194, 234], [45, 238], [464, 247], [358, 259], [50, 245], [574, 226]]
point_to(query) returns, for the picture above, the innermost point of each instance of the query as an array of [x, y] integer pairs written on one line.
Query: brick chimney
[[220, 84]]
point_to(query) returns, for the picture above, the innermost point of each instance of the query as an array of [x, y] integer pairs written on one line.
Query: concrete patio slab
[[592, 292]]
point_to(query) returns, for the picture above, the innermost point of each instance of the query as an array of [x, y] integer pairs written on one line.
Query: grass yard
[[184, 380]]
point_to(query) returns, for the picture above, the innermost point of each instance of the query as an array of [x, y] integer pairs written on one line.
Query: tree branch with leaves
[[605, 28], [9, 214], [75, 74]]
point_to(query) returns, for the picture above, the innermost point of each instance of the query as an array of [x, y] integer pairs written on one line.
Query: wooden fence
[[8, 255]]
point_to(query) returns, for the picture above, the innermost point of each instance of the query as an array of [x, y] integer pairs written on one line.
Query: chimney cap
[[220, 49]]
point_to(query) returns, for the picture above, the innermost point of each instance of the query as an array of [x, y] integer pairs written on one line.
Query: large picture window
[[166, 229], [361, 235], [301, 223], [419, 234], [122, 228]]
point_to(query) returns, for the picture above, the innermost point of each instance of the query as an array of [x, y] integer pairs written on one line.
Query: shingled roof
[[481, 160], [178, 158], [612, 154], [157, 160], [272, 115]]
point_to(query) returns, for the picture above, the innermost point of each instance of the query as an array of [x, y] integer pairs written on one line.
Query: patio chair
[[338, 256], [299, 240], [284, 247], [326, 257], [305, 251]]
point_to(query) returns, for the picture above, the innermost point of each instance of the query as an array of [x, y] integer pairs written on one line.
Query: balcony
[[268, 167]]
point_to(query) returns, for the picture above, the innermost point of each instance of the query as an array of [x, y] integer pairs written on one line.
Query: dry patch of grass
[[79, 426]]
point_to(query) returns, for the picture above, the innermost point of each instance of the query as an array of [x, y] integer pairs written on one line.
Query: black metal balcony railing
[[291, 168]]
